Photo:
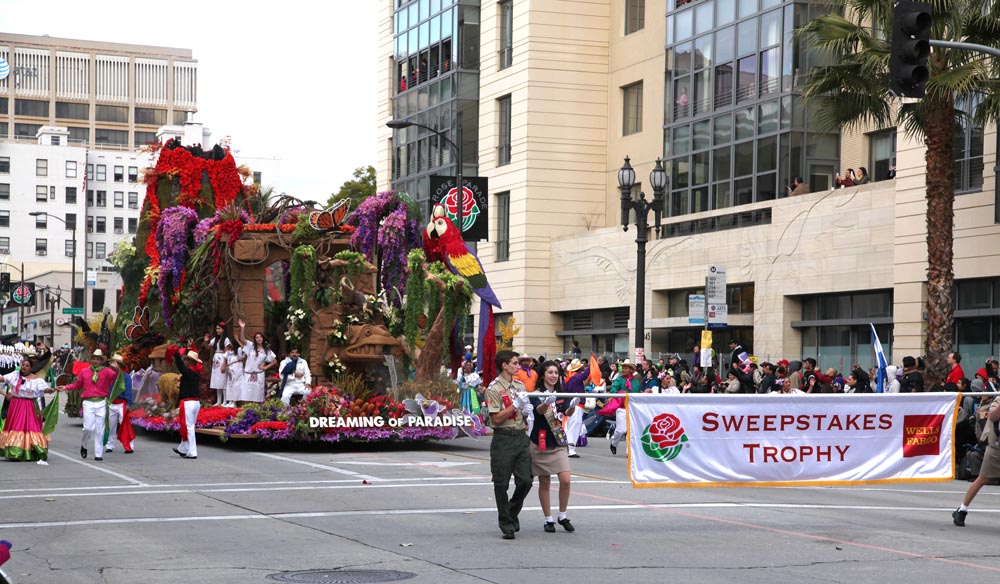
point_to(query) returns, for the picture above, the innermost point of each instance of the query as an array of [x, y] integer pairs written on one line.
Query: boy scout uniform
[[509, 454]]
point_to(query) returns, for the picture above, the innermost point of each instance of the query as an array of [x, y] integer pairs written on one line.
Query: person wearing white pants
[[95, 384], [574, 425], [190, 403], [295, 376], [621, 427], [576, 375]]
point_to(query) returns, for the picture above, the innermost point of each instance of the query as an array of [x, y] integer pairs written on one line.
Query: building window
[[882, 154], [70, 169], [70, 248], [90, 248], [102, 172], [155, 117], [97, 300], [52, 193], [90, 224], [503, 227], [70, 221], [119, 173], [506, 53], [78, 135], [41, 193], [133, 225], [119, 199], [632, 109], [256, 178], [72, 111], [55, 140], [133, 200], [831, 332], [112, 113], [4, 165], [133, 174], [4, 191], [4, 244], [31, 107], [26, 130], [41, 221], [90, 172], [101, 249], [102, 225], [4, 218], [41, 247], [70, 195], [90, 198], [503, 133], [143, 138], [111, 137], [102, 199], [119, 225], [41, 167], [635, 15], [968, 145]]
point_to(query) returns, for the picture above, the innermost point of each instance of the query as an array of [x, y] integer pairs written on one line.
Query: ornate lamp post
[[642, 207]]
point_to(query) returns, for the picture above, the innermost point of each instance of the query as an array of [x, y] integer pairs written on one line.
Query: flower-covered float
[[352, 290]]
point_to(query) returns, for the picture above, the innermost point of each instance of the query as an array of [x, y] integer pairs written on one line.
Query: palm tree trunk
[[938, 135]]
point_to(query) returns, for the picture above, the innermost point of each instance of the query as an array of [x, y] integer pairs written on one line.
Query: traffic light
[[911, 34], [4, 282]]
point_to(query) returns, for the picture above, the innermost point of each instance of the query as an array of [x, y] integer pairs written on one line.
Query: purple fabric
[[576, 383]]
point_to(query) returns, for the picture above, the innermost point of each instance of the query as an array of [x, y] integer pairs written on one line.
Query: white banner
[[788, 440]]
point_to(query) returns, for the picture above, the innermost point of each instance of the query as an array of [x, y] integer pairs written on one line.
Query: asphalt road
[[240, 515]]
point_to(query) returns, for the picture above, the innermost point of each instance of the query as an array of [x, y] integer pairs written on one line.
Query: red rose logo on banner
[[922, 435], [470, 209], [663, 438]]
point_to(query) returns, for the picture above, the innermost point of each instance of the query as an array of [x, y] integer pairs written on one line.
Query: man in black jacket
[[190, 402], [913, 380], [767, 382]]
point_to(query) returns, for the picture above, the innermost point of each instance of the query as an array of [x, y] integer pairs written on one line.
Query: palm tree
[[854, 94]]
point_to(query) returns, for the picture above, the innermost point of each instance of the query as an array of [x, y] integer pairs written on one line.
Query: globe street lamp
[[642, 207], [400, 124], [72, 293]]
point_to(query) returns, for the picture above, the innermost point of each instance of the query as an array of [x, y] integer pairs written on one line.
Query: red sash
[[184, 431], [125, 432]]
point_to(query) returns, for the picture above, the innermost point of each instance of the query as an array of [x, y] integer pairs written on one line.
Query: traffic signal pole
[[965, 47]]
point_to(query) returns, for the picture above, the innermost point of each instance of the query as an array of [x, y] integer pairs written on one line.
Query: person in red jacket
[[954, 360], [96, 382]]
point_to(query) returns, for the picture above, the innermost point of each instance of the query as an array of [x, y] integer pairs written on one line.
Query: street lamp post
[[72, 291], [642, 207], [53, 299], [400, 124]]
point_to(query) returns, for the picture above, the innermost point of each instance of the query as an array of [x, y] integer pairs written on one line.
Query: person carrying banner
[[96, 382], [507, 402], [119, 425], [990, 468], [190, 401]]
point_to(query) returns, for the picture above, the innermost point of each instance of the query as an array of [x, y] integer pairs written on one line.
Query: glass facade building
[[436, 64], [735, 128]]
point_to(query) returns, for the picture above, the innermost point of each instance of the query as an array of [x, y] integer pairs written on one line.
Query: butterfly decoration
[[477, 425], [139, 325], [421, 407], [330, 218]]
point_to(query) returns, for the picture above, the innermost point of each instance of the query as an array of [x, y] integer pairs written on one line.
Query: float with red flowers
[[352, 289]]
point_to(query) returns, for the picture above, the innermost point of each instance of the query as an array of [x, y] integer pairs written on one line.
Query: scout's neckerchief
[[96, 370]]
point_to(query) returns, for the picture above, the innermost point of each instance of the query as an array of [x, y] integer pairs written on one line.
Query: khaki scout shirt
[[494, 402]]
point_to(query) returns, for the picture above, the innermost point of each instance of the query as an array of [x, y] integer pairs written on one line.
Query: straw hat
[[99, 354], [118, 358], [575, 365], [193, 355], [627, 363]]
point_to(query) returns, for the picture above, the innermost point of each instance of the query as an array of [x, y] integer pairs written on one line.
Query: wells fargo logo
[[922, 435], [663, 439]]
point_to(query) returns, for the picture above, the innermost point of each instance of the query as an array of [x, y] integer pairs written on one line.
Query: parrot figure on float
[[443, 242]]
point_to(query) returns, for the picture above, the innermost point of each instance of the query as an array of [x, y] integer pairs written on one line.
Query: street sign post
[[696, 309], [718, 316], [715, 285]]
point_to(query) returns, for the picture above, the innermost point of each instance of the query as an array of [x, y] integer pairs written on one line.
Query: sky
[[294, 79]]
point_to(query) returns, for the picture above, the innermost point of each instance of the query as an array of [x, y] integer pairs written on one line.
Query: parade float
[[351, 289]]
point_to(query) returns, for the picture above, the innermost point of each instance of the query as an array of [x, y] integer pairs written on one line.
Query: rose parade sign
[[756, 441], [475, 194]]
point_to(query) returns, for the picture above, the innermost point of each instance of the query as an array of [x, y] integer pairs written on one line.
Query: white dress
[[218, 377], [235, 377], [253, 385]]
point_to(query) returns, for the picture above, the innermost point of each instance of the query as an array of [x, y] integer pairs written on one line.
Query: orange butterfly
[[139, 325], [330, 218]]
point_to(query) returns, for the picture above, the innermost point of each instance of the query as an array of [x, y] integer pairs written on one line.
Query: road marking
[[296, 487], [138, 483], [317, 465], [670, 507], [440, 464]]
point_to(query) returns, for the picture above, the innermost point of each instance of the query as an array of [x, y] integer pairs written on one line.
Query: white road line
[[440, 464], [353, 485], [576, 509], [95, 467], [317, 465]]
